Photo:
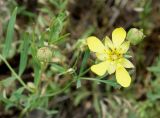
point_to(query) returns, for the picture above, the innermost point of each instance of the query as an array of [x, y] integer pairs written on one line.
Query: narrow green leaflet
[[24, 53], [83, 65], [9, 36], [84, 61]]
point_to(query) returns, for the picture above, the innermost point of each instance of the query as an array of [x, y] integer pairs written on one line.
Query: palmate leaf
[[10, 32]]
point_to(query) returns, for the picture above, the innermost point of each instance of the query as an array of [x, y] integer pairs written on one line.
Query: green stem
[[100, 80], [92, 79], [13, 72]]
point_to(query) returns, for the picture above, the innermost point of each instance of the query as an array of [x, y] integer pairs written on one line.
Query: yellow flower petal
[[108, 43], [95, 44], [118, 36], [112, 67], [100, 69], [124, 47], [101, 56], [126, 63], [123, 77]]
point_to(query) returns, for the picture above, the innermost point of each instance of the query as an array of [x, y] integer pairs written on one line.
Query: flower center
[[114, 55]]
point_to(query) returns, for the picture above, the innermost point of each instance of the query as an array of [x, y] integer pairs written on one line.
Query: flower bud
[[31, 86], [70, 70], [135, 36], [44, 54]]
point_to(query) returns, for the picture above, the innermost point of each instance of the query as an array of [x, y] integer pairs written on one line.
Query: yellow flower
[[112, 56]]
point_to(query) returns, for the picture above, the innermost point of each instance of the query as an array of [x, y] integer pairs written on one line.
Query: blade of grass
[[10, 32], [24, 53]]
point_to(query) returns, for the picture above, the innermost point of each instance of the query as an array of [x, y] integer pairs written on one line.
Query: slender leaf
[[84, 61], [24, 53], [10, 32], [83, 65]]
